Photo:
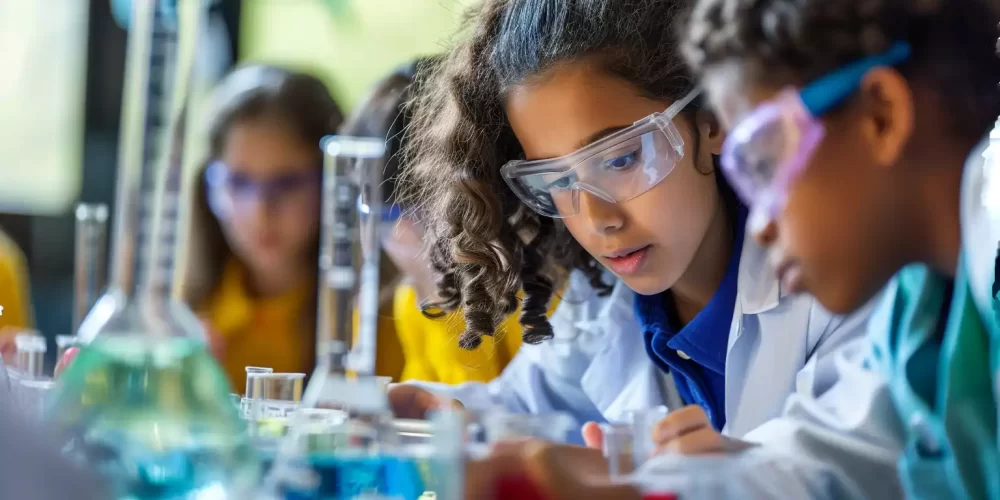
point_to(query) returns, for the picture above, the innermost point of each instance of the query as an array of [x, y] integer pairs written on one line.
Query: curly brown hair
[[954, 44], [487, 245]]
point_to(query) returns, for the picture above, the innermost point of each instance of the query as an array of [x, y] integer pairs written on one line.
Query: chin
[[841, 300], [645, 285]]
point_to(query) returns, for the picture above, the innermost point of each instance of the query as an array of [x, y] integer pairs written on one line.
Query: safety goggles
[[616, 168], [768, 149], [231, 194]]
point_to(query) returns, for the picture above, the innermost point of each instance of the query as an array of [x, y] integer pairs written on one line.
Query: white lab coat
[[846, 442], [597, 367], [843, 444]]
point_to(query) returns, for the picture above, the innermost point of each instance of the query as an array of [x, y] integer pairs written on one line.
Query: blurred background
[[63, 63]]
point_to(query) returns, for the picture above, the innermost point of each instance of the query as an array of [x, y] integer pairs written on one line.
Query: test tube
[[511, 426], [642, 423], [90, 253], [30, 357], [618, 447]]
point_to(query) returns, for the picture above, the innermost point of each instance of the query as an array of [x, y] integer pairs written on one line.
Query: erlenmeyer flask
[[344, 443], [144, 402]]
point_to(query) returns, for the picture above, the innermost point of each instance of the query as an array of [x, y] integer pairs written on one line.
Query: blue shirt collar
[[706, 338]]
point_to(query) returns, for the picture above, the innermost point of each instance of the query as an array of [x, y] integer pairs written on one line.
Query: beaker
[[643, 422], [30, 357]]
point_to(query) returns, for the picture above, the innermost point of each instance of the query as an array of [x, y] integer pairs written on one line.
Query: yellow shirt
[[431, 345], [15, 297], [273, 332]]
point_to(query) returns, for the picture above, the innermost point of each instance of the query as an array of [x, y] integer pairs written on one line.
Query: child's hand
[[593, 436], [540, 470], [410, 401], [584, 461], [688, 431]]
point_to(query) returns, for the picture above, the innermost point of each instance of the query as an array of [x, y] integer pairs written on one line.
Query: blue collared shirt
[[700, 380]]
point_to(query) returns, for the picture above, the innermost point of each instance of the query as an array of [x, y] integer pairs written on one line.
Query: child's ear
[[887, 101], [710, 131]]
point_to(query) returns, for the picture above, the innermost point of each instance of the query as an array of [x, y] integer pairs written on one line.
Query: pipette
[[91, 256]]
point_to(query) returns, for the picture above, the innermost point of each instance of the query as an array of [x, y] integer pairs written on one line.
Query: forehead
[[267, 147], [554, 115]]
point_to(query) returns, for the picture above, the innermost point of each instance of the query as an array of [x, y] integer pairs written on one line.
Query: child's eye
[[621, 162], [238, 182], [561, 184]]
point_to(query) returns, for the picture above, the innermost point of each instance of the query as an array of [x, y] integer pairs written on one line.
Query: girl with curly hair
[[565, 137]]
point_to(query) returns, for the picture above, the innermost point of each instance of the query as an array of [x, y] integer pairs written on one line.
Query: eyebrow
[[596, 136], [600, 134]]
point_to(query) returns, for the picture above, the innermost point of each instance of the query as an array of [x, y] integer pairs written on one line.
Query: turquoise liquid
[[154, 417], [346, 478]]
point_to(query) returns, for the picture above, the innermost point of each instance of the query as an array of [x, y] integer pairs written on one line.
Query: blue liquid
[[154, 418], [344, 478], [163, 476]]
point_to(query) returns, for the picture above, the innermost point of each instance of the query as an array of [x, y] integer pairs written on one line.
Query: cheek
[[578, 227], [678, 211], [239, 230], [298, 227], [834, 225]]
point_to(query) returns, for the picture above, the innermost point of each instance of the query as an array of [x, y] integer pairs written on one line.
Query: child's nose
[[605, 218]]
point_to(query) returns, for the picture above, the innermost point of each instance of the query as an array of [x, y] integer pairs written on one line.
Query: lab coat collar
[[621, 376], [758, 289]]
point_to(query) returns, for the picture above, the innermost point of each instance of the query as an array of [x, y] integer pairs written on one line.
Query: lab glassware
[[144, 402]]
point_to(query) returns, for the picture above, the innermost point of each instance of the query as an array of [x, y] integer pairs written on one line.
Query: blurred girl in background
[[430, 345], [255, 220]]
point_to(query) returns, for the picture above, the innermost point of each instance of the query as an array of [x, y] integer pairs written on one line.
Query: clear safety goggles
[[616, 168], [231, 194], [768, 149]]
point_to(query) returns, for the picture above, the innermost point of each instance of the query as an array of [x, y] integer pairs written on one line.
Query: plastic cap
[[92, 212]]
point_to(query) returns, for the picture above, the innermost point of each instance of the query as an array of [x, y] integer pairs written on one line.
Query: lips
[[627, 261]]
